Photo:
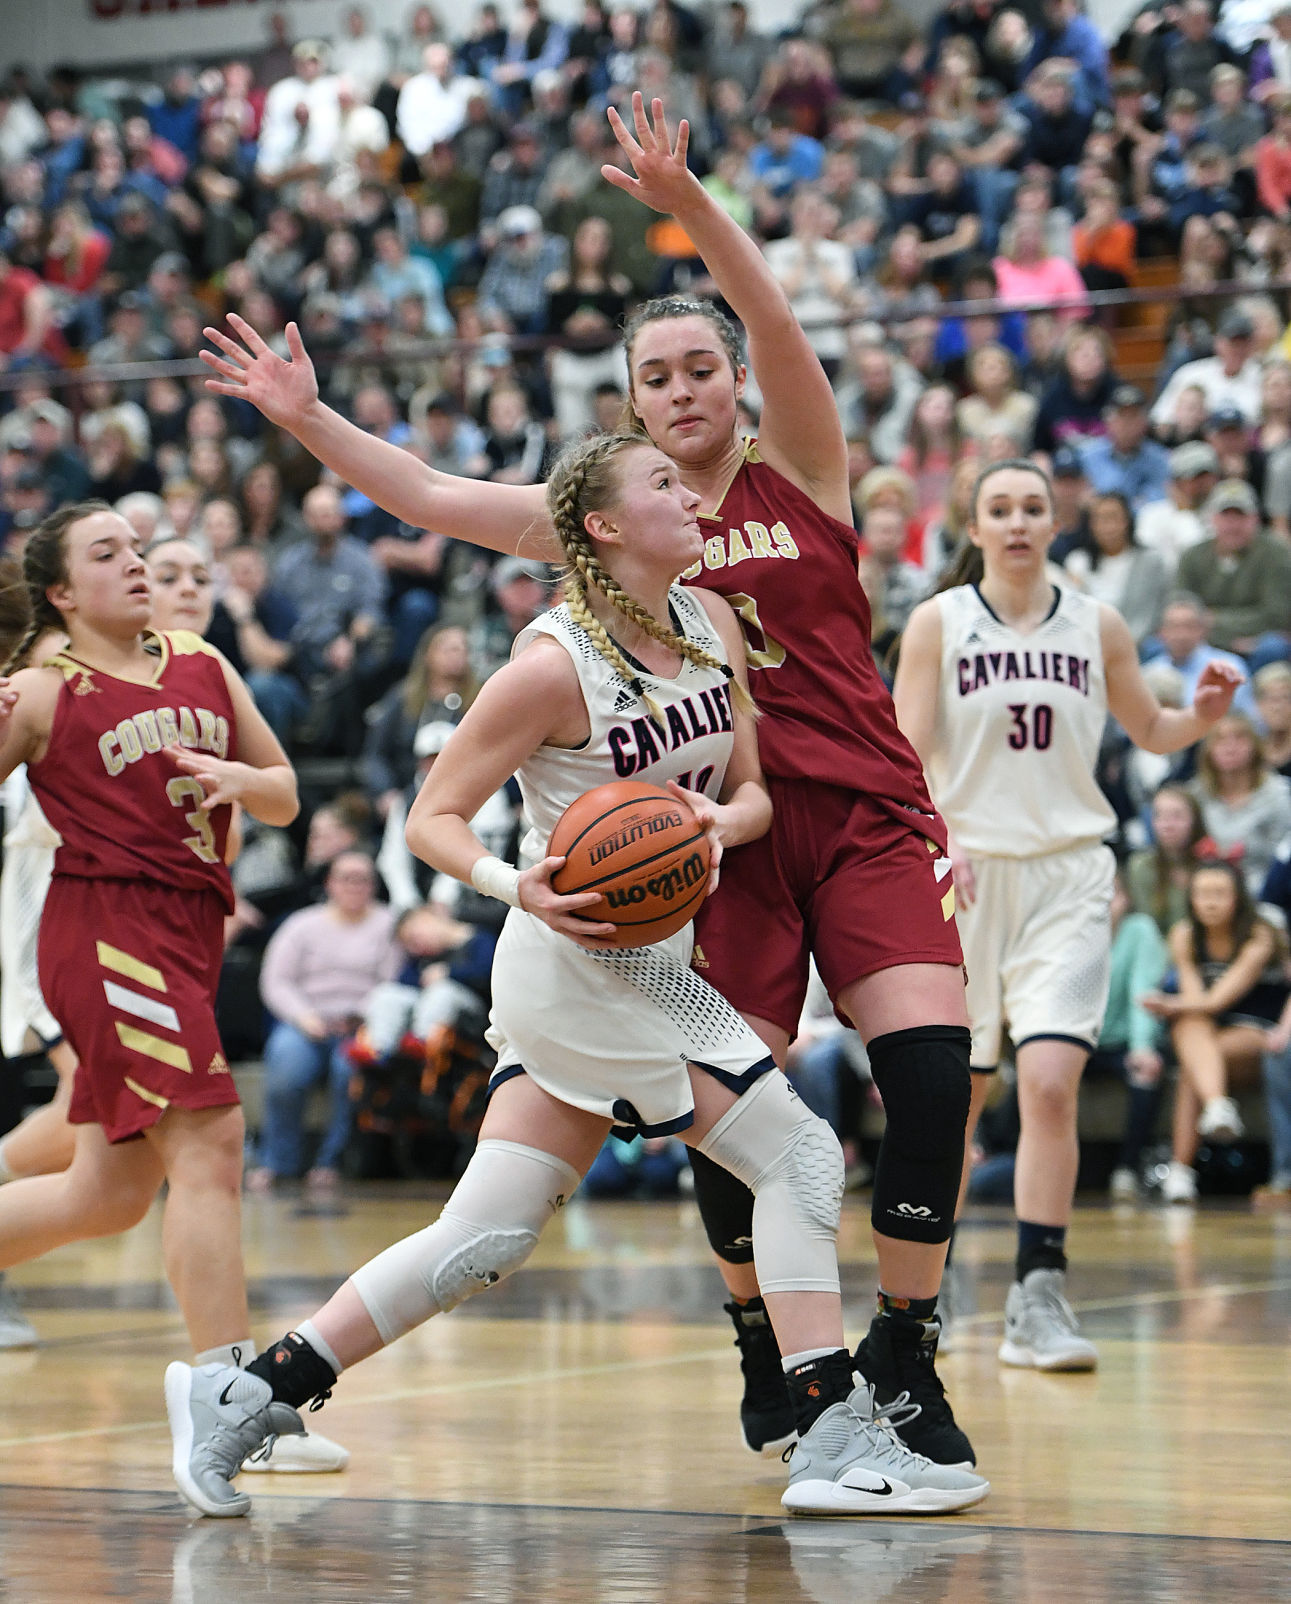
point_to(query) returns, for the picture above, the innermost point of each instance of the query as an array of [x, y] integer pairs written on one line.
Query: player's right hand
[[250, 371], [539, 897]]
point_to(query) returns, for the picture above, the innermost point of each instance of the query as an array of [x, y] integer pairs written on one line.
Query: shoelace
[[264, 1450], [1059, 1306], [881, 1427]]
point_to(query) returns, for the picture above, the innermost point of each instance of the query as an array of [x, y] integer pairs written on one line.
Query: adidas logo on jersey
[[624, 702], [219, 1065]]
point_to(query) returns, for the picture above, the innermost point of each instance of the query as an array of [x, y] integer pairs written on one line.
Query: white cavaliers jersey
[[29, 845], [1019, 721], [692, 747]]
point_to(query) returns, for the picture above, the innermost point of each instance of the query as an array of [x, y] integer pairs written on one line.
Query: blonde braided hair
[[582, 481]]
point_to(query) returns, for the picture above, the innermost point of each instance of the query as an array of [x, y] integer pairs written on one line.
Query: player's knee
[[122, 1210], [923, 1078], [485, 1254], [1049, 1101]]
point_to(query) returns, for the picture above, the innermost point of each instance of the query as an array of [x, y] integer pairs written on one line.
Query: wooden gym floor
[[571, 1436]]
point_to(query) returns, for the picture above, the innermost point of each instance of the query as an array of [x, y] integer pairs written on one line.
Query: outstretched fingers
[[225, 369], [231, 348], [257, 345]]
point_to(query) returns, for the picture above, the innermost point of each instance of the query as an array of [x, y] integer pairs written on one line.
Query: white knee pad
[[791, 1161], [488, 1229]]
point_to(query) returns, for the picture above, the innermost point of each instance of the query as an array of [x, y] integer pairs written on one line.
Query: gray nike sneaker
[[218, 1416], [852, 1462], [1040, 1327]]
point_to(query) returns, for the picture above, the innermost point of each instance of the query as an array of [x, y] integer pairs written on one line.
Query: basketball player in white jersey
[[1004, 684], [590, 1035]]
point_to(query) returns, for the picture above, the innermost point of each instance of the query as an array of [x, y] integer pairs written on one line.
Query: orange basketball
[[642, 849]]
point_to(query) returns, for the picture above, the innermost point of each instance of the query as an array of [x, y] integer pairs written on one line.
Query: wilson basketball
[[642, 849]]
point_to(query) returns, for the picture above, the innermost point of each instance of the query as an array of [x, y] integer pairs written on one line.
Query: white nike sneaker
[[851, 1462], [1040, 1328], [218, 1416], [1179, 1184]]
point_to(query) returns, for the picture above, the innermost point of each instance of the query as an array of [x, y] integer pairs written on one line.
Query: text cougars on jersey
[[741, 545], [633, 831], [156, 727], [978, 670], [637, 745]]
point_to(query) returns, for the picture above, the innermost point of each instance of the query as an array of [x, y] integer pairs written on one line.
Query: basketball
[[642, 849]]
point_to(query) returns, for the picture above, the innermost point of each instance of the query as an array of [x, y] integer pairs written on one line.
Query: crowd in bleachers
[[430, 208]]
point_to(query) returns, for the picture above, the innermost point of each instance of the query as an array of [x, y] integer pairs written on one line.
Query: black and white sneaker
[[768, 1424], [899, 1359]]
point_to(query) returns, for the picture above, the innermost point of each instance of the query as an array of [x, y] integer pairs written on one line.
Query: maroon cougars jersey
[[123, 809], [789, 571]]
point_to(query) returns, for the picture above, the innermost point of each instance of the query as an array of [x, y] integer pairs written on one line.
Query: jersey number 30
[[1032, 726]]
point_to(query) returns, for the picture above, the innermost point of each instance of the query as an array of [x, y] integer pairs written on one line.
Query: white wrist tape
[[493, 878]]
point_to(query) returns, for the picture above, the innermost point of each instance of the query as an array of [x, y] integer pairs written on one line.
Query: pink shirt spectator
[[1051, 279]]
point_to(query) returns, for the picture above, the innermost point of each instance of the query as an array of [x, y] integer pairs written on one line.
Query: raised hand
[[250, 371], [662, 180], [1216, 686]]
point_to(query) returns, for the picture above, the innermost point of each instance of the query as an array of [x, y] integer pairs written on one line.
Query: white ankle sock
[[791, 1361], [321, 1347], [237, 1354]]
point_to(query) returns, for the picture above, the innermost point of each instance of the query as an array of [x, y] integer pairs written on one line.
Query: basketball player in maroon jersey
[[854, 869], [137, 744]]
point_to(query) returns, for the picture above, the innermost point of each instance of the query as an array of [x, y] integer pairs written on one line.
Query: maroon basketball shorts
[[129, 969], [837, 877]]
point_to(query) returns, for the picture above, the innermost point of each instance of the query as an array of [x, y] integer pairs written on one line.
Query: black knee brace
[[726, 1207], [922, 1076]]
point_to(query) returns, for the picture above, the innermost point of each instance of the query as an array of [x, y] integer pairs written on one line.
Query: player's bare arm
[[800, 434], [743, 811], [506, 518], [260, 779], [534, 701], [27, 703], [1136, 709]]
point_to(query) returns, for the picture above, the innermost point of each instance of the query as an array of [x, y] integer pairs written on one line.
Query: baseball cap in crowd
[[1232, 495], [1067, 464], [1225, 418], [1125, 396], [517, 220], [431, 739], [310, 50], [1192, 458], [513, 568], [1235, 325]]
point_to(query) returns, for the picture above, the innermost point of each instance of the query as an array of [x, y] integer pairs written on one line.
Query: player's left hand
[[1216, 686], [663, 182], [709, 816], [221, 780]]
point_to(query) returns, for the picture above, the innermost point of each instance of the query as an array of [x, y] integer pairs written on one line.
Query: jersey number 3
[[181, 791], [1032, 726]]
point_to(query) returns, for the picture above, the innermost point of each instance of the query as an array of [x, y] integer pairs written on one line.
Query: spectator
[[894, 587], [1246, 806], [1115, 569], [1230, 378], [996, 405], [877, 397], [1232, 122], [514, 178], [432, 104], [534, 44], [1125, 459], [268, 521], [440, 684], [1027, 272], [817, 274], [1130, 1041], [785, 158], [1068, 35], [44, 438], [520, 592], [934, 445], [1104, 240], [1272, 689], [1173, 523], [1195, 53], [1184, 640], [28, 329], [320, 968], [1232, 989], [989, 150], [395, 273], [361, 55], [261, 622], [1157, 876], [301, 116], [1056, 127], [1243, 576], [875, 46], [515, 444], [337, 590], [586, 306], [513, 287]]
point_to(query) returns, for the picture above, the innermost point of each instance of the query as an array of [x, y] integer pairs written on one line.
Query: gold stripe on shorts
[[143, 1041], [132, 968], [148, 1097]]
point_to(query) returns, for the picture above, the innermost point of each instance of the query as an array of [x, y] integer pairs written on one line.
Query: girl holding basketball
[[853, 869], [1004, 687], [137, 744], [590, 1035]]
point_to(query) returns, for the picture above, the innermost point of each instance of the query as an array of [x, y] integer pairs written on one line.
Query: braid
[[577, 482], [43, 565]]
